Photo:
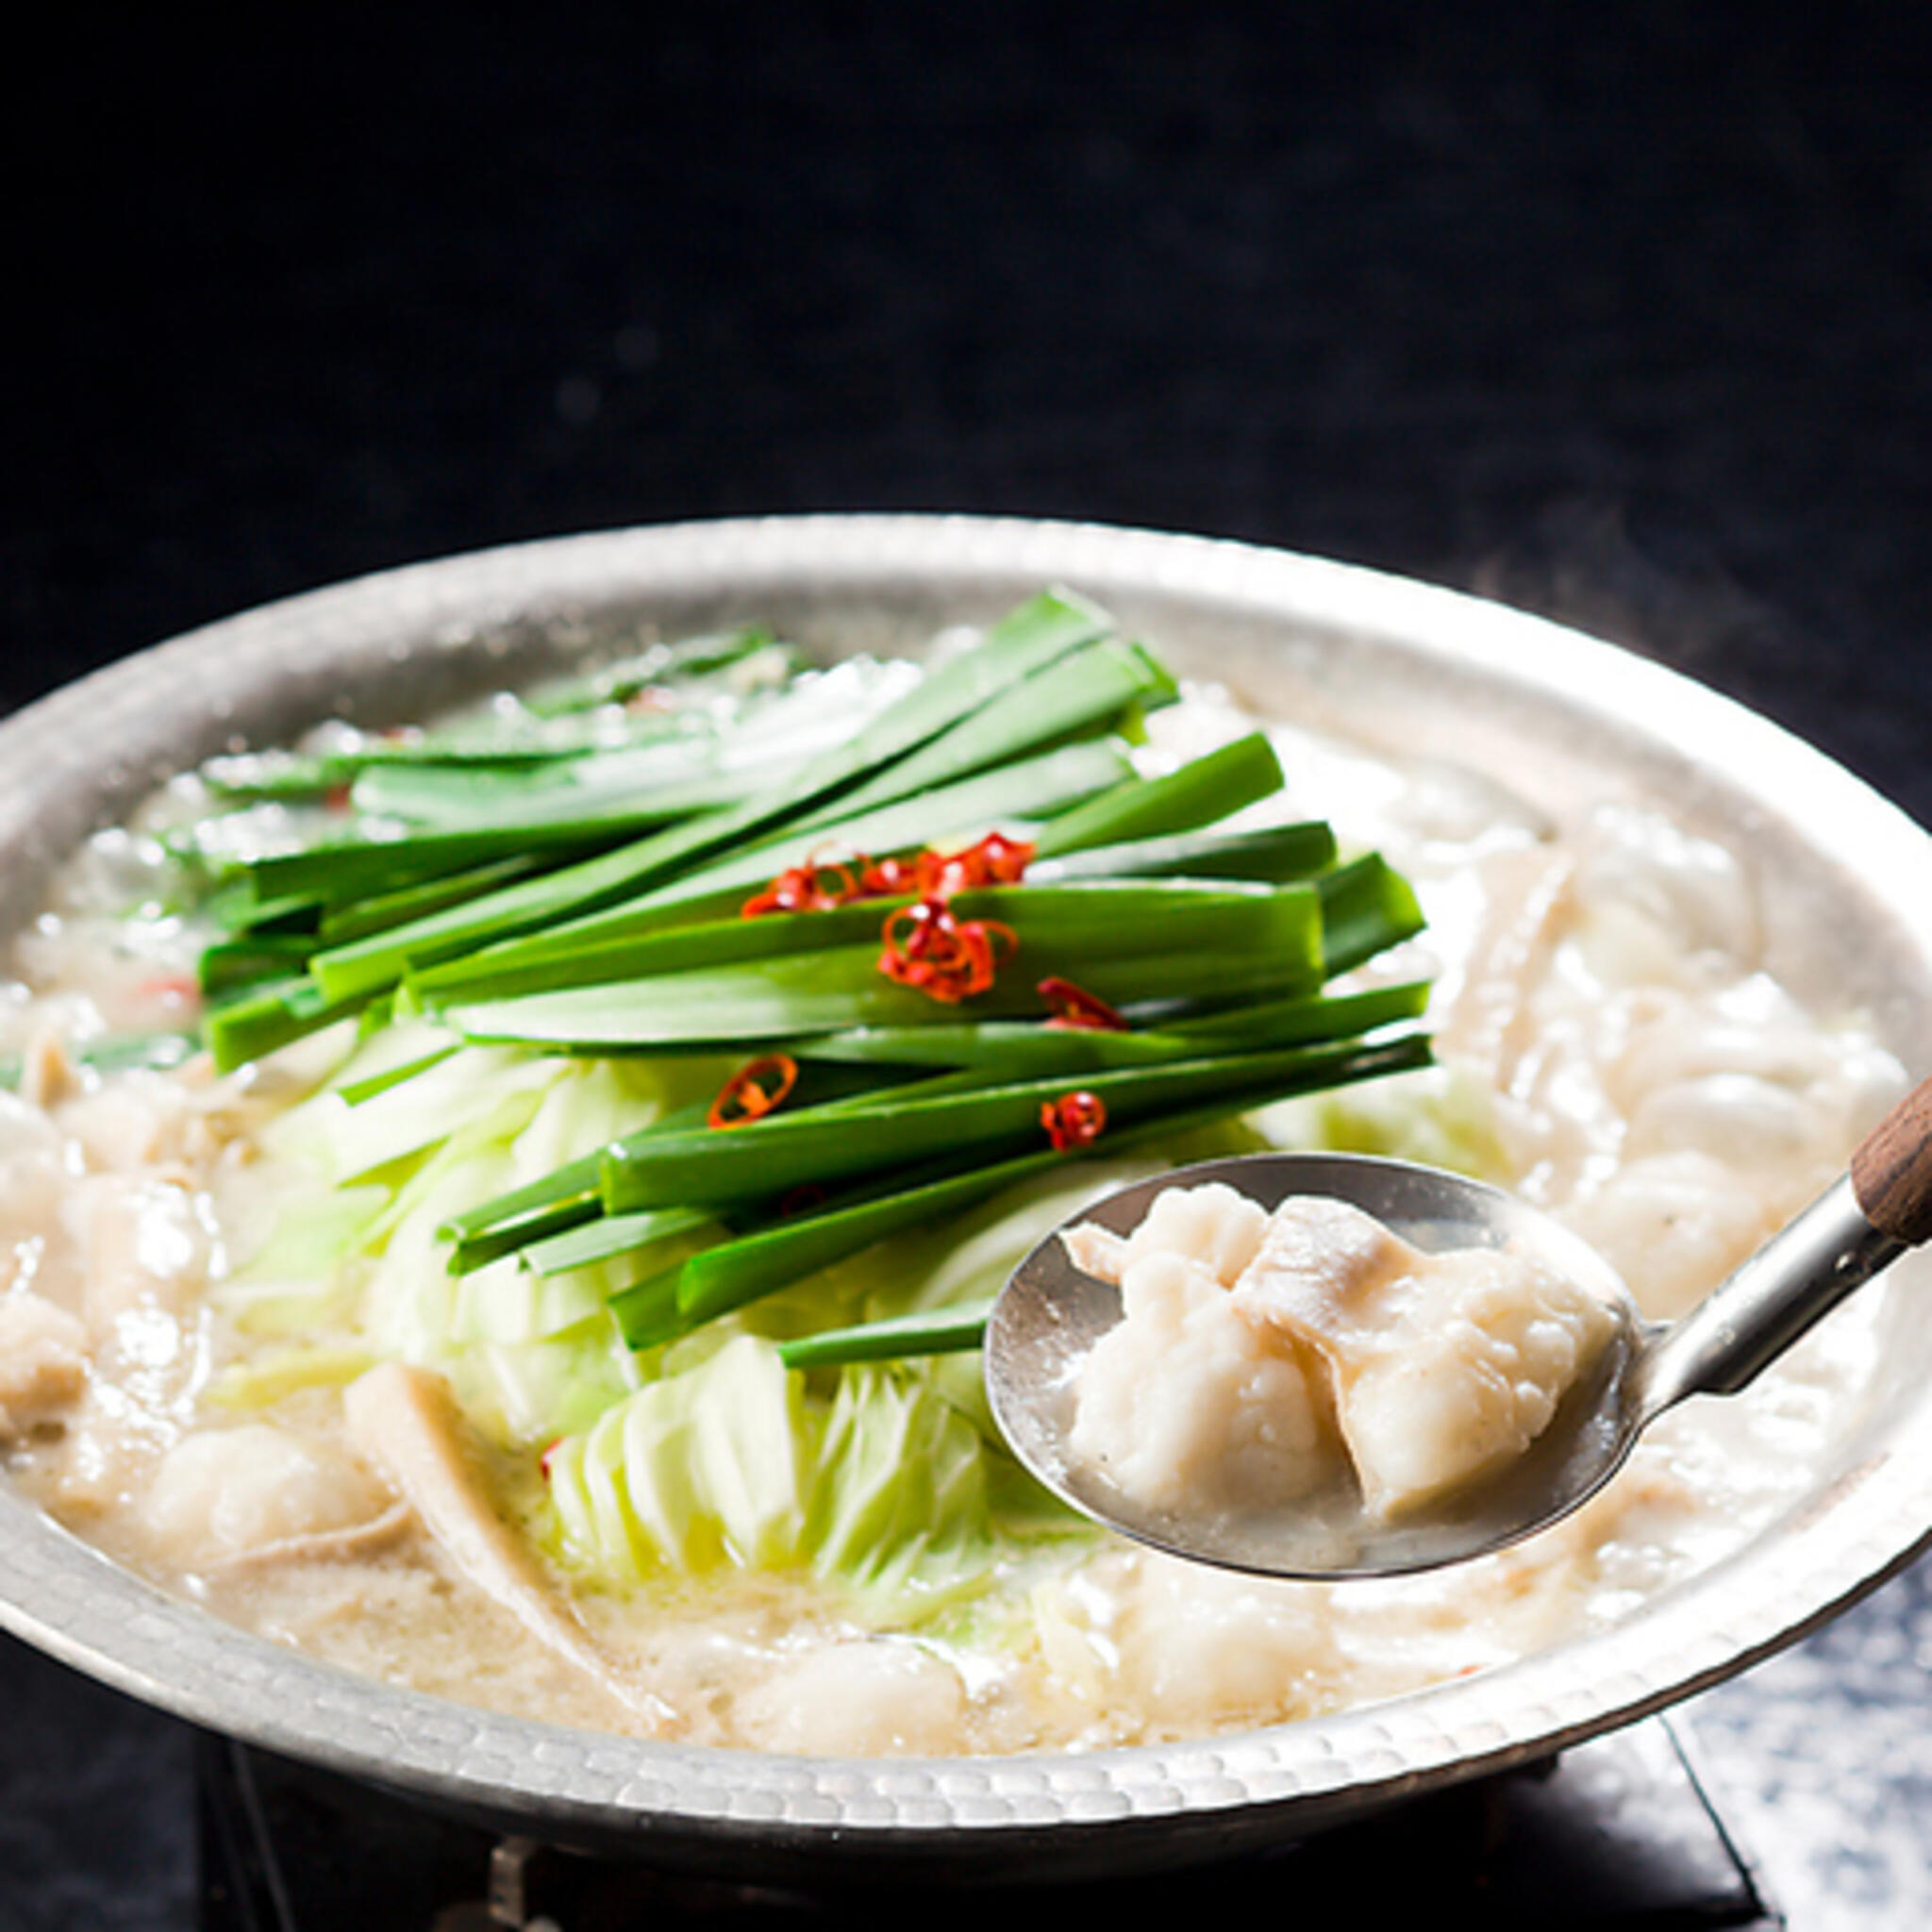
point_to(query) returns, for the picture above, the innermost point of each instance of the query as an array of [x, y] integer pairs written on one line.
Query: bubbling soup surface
[[362, 1460]]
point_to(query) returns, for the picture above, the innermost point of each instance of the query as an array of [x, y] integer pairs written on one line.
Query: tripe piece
[[44, 1354], [1189, 1402], [1258, 1355], [406, 1420], [1443, 1366]]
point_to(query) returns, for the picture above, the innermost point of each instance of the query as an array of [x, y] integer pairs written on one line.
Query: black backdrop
[[1619, 313]]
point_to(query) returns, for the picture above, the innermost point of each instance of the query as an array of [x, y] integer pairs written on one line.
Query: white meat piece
[[221, 1494], [1215, 1646], [406, 1419], [1095, 1250], [108, 1447], [1324, 1271], [1212, 1225], [1187, 1402], [1757, 1124], [24, 1129], [1335, 1337], [1134, 1631], [1674, 1225], [1488, 1352], [139, 1120], [868, 1698], [43, 1361], [1443, 1366], [1655, 900], [147, 1243], [32, 1175], [47, 1069], [1514, 902]]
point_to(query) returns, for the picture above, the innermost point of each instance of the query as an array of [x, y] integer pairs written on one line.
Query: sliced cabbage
[[531, 1392], [504, 1303], [902, 1495], [1440, 1116], [732, 1463], [298, 1280], [263, 1380], [710, 1466], [357, 1250]]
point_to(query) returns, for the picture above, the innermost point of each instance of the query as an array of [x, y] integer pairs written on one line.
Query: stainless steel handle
[[1792, 1282]]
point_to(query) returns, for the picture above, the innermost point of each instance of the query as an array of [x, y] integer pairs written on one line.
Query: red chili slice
[[1075, 1009], [925, 947], [814, 887], [893, 877], [754, 1091], [177, 989], [1075, 1120], [995, 860]]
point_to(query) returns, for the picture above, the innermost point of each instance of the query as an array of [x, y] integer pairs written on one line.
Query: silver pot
[[1562, 716]]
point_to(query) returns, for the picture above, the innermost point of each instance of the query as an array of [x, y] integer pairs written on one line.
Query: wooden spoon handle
[[1892, 1171]]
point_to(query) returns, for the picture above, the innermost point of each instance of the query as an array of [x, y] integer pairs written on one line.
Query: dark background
[[1617, 313]]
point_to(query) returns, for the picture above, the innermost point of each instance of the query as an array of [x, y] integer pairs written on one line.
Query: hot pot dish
[[522, 1077]]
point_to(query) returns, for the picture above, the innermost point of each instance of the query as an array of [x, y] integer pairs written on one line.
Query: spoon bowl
[[1050, 1315]]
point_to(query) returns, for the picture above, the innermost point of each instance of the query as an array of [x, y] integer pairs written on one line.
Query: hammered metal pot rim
[[86, 753]]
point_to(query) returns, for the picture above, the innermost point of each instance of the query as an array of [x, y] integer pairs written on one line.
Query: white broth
[[295, 1456]]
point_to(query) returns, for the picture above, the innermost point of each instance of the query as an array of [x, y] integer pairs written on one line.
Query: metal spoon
[[1050, 1314]]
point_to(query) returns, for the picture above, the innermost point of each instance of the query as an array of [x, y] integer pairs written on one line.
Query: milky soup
[[504, 1205]]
